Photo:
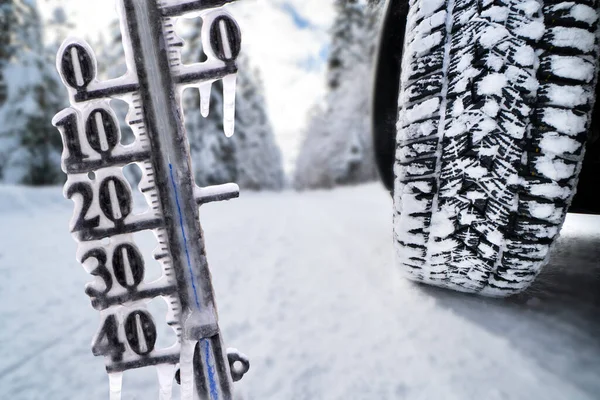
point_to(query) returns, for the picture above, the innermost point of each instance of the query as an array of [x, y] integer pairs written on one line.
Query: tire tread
[[481, 187]]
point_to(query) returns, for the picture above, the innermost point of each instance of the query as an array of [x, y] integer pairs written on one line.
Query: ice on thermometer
[[105, 223]]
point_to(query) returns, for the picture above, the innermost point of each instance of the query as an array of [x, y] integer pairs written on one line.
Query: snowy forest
[[334, 148], [337, 147]]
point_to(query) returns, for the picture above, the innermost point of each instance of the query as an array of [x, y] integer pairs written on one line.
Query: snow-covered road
[[306, 288]]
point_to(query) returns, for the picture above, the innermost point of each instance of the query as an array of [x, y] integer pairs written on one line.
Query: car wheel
[[494, 112]]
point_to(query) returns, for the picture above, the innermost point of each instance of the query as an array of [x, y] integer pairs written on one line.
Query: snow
[[554, 143], [492, 84], [422, 110], [430, 23], [428, 42], [554, 168], [566, 121], [427, 8], [584, 13], [567, 96], [548, 190], [496, 13], [525, 56], [306, 287], [492, 35], [577, 38], [572, 67]]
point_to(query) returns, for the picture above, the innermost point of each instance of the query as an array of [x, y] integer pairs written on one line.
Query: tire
[[494, 112]]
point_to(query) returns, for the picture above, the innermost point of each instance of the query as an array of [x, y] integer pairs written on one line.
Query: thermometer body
[[105, 223]]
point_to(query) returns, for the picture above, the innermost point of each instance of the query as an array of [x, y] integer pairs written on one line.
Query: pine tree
[[12, 37], [345, 49], [337, 147], [30, 144], [7, 47], [313, 163], [259, 161]]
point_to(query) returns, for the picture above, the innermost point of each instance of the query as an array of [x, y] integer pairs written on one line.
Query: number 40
[[140, 333]]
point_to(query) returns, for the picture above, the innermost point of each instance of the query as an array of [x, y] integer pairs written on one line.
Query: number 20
[[115, 202]]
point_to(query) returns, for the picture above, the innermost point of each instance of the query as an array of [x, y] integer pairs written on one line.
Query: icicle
[[229, 104], [115, 382], [165, 380], [186, 367], [205, 90]]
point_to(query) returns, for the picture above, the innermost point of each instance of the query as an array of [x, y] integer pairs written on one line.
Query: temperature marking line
[[148, 361], [158, 257], [97, 234], [81, 167], [206, 75], [85, 95], [102, 303], [187, 253]]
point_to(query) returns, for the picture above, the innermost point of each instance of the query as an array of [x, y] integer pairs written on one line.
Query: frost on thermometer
[[105, 223]]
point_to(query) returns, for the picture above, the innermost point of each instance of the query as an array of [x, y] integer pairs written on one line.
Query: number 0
[[141, 332]]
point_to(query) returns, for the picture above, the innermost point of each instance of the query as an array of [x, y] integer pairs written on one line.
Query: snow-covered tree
[[337, 147], [345, 46], [259, 161], [251, 158], [13, 35], [8, 20], [30, 146]]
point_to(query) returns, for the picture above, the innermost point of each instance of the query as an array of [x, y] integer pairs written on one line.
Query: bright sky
[[286, 39]]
